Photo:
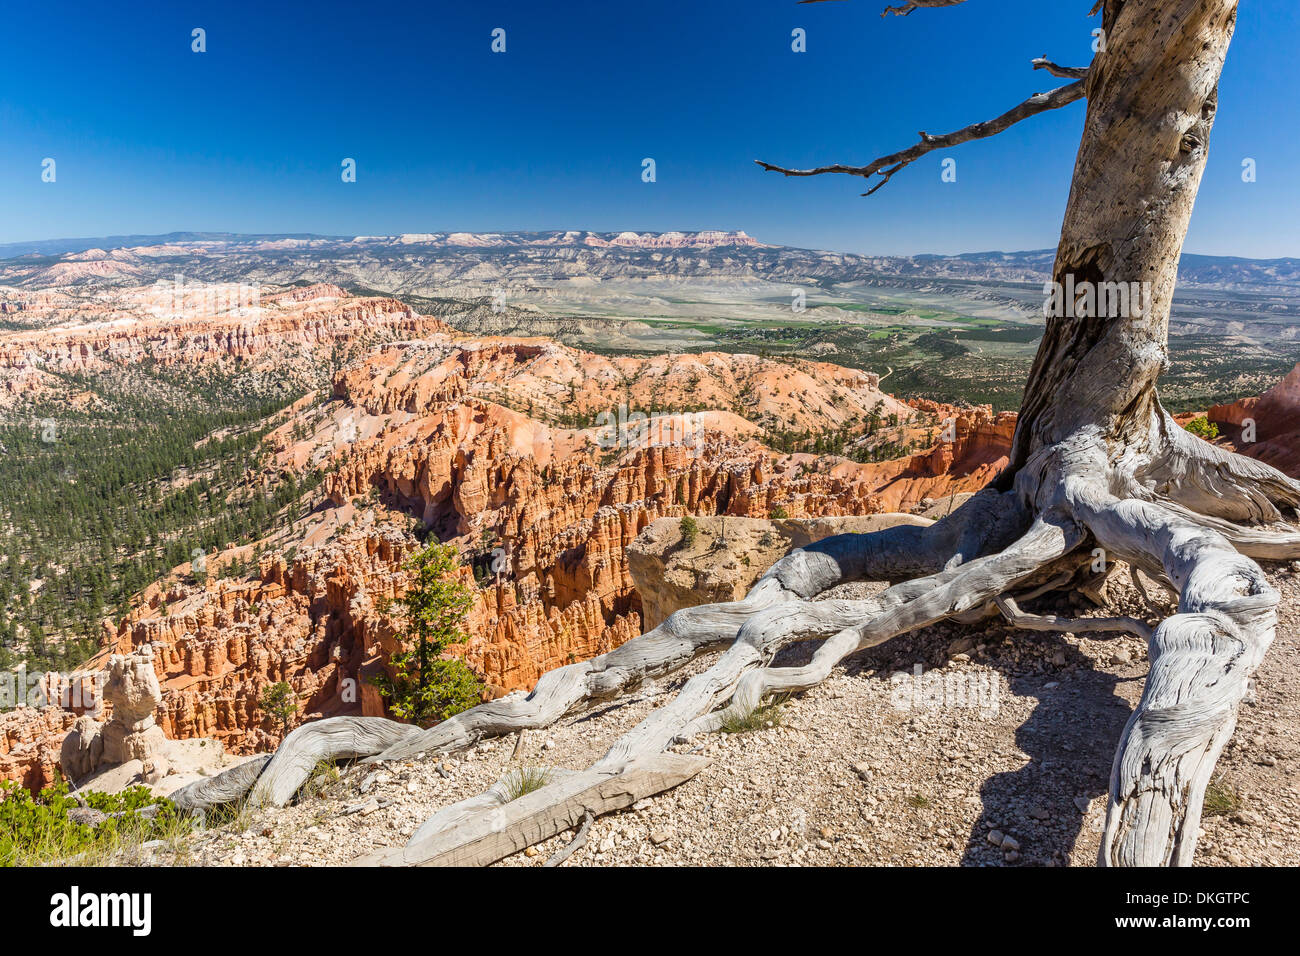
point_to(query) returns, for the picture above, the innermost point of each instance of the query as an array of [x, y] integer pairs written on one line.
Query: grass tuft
[[760, 718], [524, 780], [324, 778], [1220, 799]]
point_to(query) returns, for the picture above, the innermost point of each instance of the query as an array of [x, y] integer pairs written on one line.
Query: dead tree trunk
[[1096, 463]]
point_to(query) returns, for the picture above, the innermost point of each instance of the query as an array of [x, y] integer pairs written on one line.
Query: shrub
[[424, 688], [779, 512], [1203, 428], [36, 830]]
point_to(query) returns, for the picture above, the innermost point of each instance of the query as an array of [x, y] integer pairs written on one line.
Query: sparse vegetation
[[280, 702], [1220, 799], [690, 529], [768, 715], [1203, 428], [37, 830], [324, 777]]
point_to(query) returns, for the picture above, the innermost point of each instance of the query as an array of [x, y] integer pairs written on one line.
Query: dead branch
[[887, 166], [1064, 72], [579, 838], [1050, 622]]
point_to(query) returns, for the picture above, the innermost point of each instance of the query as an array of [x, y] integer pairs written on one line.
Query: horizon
[[249, 135], [210, 235]]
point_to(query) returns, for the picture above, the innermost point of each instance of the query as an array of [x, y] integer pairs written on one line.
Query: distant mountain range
[[307, 257]]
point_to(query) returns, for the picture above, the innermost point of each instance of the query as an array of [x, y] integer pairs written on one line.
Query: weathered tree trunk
[[1152, 97]]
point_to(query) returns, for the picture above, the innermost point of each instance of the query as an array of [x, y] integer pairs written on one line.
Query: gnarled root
[[1201, 662], [1209, 480]]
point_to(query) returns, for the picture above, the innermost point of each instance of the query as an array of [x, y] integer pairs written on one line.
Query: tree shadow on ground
[[1070, 739]]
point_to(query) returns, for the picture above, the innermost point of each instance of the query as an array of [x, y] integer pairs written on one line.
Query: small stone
[[412, 787], [549, 745], [1039, 813], [995, 837], [960, 646], [1121, 656], [531, 851], [660, 837], [862, 770], [1011, 856], [1082, 803], [1010, 845]]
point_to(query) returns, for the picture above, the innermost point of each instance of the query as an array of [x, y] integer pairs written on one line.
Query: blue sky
[[150, 137]]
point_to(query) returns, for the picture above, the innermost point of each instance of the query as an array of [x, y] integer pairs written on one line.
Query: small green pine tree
[[425, 688], [280, 702], [690, 528]]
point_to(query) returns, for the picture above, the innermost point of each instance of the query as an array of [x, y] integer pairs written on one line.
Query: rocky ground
[[1004, 763]]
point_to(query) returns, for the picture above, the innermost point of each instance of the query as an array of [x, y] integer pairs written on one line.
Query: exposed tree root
[[1201, 662]]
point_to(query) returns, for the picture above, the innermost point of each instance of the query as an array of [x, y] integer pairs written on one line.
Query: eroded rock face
[[726, 556], [30, 741], [464, 436], [289, 332], [82, 751], [1276, 419]]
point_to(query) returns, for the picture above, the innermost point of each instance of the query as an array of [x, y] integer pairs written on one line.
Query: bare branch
[[911, 5], [579, 838], [1049, 622], [1064, 72], [887, 166]]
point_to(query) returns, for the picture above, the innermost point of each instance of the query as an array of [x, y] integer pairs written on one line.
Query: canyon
[[541, 462]]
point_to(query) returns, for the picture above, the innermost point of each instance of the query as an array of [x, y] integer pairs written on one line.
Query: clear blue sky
[[149, 137]]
